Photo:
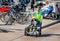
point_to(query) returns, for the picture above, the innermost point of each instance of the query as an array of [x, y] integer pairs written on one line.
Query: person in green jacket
[[39, 17], [38, 14]]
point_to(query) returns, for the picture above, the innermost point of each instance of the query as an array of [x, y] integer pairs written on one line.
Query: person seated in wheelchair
[[33, 24]]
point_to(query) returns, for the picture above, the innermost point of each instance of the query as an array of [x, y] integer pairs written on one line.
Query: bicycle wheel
[[18, 18], [2, 17]]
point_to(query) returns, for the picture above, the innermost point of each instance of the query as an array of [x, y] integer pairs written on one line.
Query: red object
[[1, 10], [47, 2], [4, 9]]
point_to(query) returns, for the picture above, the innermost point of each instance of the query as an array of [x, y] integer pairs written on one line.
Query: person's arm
[[34, 14], [41, 17]]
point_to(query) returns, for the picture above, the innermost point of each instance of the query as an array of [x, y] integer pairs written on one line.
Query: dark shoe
[[39, 34]]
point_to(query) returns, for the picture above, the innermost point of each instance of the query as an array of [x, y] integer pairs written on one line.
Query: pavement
[[51, 33]]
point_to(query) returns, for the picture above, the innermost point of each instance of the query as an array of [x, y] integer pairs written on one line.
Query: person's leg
[[39, 27]]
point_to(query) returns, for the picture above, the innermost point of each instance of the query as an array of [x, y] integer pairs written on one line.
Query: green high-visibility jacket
[[38, 15]]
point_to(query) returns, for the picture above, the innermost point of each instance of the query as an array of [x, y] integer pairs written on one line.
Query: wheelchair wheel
[[26, 31]]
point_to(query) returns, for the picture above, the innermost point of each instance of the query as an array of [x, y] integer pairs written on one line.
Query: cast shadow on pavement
[[6, 25], [4, 31], [49, 35], [51, 24]]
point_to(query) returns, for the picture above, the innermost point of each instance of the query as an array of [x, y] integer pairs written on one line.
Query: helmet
[[33, 17]]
